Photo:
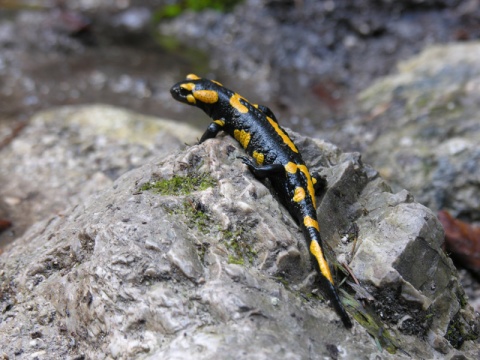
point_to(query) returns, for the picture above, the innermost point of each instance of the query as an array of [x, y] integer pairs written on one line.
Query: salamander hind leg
[[267, 111], [264, 171], [319, 182]]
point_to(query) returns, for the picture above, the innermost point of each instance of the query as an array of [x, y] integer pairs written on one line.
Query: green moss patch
[[369, 320], [459, 331], [237, 242], [180, 185], [178, 7], [240, 250], [200, 219]]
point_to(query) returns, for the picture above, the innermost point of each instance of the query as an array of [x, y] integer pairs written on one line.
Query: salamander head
[[196, 91]]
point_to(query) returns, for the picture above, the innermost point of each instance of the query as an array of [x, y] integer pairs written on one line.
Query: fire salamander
[[276, 158]]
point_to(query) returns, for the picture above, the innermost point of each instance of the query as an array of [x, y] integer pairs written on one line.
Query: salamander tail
[[327, 282], [332, 294]]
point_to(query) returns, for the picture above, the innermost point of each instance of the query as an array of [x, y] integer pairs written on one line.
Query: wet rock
[[314, 57], [310, 62], [66, 154], [132, 273], [73, 53], [423, 128], [133, 19]]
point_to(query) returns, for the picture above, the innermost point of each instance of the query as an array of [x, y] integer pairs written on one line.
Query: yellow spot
[[235, 102], [310, 188], [259, 157], [291, 167], [216, 82], [299, 194], [255, 106], [219, 122], [282, 134], [242, 137], [191, 99], [310, 222], [314, 181], [188, 86], [192, 77], [206, 96], [316, 251]]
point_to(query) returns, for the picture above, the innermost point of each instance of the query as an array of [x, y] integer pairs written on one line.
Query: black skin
[[269, 139]]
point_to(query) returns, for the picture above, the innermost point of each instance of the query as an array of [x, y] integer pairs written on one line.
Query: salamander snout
[[182, 93], [202, 93]]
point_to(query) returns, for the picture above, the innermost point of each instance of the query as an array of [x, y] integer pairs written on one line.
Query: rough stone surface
[[421, 128], [66, 154], [129, 273]]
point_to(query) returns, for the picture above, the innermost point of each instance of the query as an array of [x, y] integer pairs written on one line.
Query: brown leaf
[[462, 241], [4, 224]]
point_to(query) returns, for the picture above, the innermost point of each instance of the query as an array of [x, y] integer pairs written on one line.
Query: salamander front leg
[[262, 172], [211, 132], [319, 182]]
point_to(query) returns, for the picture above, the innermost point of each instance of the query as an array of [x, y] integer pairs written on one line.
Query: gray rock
[[133, 272], [66, 154], [422, 128]]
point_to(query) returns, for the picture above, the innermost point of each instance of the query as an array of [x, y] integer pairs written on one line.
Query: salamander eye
[[187, 88], [184, 92]]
